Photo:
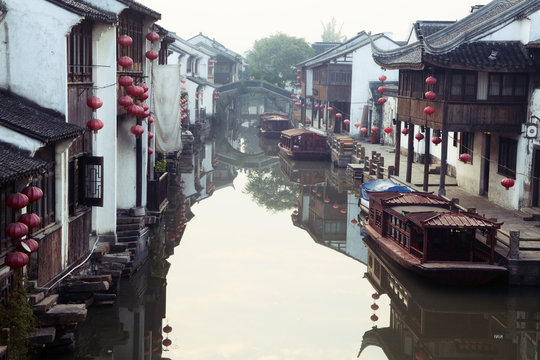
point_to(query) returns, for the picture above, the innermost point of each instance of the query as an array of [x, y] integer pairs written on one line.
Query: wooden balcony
[[157, 193], [464, 116]]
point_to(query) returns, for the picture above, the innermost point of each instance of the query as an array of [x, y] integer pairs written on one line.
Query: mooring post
[[514, 245]]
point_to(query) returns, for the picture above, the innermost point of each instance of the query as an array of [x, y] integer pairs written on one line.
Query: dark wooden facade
[[332, 83], [459, 106]]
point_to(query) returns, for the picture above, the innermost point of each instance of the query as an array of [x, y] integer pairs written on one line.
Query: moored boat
[[421, 233], [304, 144], [271, 124]]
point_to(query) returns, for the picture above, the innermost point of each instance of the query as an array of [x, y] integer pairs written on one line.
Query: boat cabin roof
[[446, 220], [274, 117], [393, 198], [297, 132]]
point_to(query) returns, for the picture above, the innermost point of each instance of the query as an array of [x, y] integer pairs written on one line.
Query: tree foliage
[[331, 33], [268, 188], [274, 58]]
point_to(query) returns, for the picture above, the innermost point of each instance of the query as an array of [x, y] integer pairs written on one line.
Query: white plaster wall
[[46, 26], [534, 28], [126, 169], [497, 193], [389, 112], [19, 140], [207, 160], [364, 69], [517, 30], [104, 53], [309, 82], [468, 175], [191, 88], [208, 99]]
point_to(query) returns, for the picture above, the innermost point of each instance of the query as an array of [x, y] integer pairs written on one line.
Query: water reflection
[[436, 322]]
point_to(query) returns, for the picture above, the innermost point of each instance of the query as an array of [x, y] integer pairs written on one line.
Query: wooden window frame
[[507, 162], [462, 94], [466, 144], [514, 79], [131, 23], [79, 53]]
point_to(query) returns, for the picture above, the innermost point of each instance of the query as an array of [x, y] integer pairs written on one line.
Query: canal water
[[269, 263]]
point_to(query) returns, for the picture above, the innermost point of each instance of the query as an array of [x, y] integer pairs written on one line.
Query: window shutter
[[91, 173]]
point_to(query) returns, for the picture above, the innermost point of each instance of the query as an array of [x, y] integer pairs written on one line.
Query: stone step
[[85, 287], [104, 297], [123, 258], [128, 227], [530, 213], [44, 335], [44, 305], [91, 278], [63, 314], [128, 233], [130, 220], [127, 239], [33, 299]]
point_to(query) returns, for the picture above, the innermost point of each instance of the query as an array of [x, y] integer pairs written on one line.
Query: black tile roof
[[133, 5], [29, 119], [16, 164], [510, 56], [425, 28], [457, 43], [87, 10]]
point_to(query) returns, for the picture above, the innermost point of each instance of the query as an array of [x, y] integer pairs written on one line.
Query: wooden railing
[[157, 192]]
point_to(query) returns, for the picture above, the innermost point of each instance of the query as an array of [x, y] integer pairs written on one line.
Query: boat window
[[297, 141]]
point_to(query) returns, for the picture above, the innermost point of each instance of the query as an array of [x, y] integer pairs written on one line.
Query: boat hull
[[449, 272], [304, 155]]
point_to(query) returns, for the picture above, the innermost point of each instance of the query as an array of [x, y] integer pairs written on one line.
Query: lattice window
[[507, 157], [79, 50], [91, 178]]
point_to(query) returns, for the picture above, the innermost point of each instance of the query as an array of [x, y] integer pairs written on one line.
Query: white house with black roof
[[486, 108]]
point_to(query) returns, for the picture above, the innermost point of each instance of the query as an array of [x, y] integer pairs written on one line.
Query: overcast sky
[[238, 23]]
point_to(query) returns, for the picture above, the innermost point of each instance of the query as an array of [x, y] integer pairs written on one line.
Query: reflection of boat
[[269, 146], [303, 172], [420, 232], [437, 322], [380, 185], [271, 124], [304, 144]]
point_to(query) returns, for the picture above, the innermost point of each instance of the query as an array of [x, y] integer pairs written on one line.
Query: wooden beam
[[444, 158], [427, 140], [397, 153], [410, 153]]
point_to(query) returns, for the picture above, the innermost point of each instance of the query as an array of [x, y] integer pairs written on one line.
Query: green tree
[[274, 58], [331, 33], [269, 188]]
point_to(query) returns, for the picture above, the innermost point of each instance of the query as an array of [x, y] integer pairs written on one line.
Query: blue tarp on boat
[[382, 185]]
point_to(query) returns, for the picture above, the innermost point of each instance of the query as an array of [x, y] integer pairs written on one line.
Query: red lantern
[[374, 129], [298, 78], [167, 342], [293, 95], [387, 130], [144, 86], [134, 110], [419, 136], [430, 80], [134, 90], [338, 115], [150, 135], [381, 101], [150, 120], [298, 84], [16, 260], [137, 130], [95, 125], [298, 71], [33, 193], [125, 101], [363, 130], [430, 95], [327, 200], [125, 40], [507, 183], [335, 206], [354, 221], [152, 55], [322, 106], [343, 211], [30, 220], [143, 114], [375, 296], [144, 106], [374, 317], [374, 307], [330, 108], [16, 230], [381, 89], [94, 102], [150, 151], [465, 157], [346, 121], [31, 245], [17, 201], [436, 140], [429, 110], [405, 131], [167, 329], [125, 61], [152, 36], [382, 78], [125, 81], [420, 355], [356, 125]]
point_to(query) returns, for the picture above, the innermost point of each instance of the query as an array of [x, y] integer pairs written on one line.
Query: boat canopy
[[383, 185]]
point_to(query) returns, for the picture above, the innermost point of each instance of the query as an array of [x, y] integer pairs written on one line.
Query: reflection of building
[[323, 211], [428, 322]]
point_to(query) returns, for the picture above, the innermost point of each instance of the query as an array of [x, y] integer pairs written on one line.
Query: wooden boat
[[272, 124], [421, 233], [304, 144]]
